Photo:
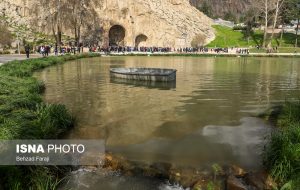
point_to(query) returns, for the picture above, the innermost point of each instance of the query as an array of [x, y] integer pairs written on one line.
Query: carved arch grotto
[[117, 35]]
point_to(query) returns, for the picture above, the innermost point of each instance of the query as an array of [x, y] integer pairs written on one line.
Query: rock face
[[167, 23], [163, 23], [15, 11]]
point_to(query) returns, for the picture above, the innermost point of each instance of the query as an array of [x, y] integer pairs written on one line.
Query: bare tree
[[93, 36], [60, 15], [82, 13], [51, 15], [264, 8], [278, 7]]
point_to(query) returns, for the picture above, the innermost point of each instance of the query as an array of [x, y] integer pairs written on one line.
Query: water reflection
[[205, 119], [246, 140], [147, 84]]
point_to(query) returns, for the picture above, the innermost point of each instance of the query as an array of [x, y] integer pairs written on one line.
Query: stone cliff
[[165, 23]]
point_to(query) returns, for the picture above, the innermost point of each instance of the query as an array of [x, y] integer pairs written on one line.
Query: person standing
[[27, 51], [47, 50], [42, 50], [56, 49]]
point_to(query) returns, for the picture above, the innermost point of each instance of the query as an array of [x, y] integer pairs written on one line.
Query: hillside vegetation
[[227, 9], [227, 37]]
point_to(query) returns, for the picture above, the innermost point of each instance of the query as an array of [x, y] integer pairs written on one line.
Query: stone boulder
[[233, 183]]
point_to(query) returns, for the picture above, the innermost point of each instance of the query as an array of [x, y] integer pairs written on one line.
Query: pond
[[206, 117]]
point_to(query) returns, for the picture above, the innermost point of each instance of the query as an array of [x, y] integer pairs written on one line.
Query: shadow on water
[[222, 144], [147, 84]]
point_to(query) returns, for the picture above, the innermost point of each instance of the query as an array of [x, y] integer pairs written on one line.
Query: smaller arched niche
[[141, 40]]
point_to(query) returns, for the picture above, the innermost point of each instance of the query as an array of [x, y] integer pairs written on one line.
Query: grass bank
[[227, 37], [23, 115], [282, 153]]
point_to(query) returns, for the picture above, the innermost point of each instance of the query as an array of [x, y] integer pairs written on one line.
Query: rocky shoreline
[[215, 177]]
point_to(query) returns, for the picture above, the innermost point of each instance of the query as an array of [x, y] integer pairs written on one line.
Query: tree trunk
[[297, 29], [278, 5], [266, 23], [249, 29], [53, 27], [281, 36], [78, 37], [59, 23], [74, 15], [54, 33], [58, 35], [75, 32]]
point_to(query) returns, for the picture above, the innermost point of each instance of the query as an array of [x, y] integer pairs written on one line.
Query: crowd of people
[[45, 50], [129, 49], [242, 51]]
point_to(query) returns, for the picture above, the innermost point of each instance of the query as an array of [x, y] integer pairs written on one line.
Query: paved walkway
[[11, 57]]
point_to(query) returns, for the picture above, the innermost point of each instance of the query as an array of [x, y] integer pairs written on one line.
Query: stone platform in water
[[144, 74]]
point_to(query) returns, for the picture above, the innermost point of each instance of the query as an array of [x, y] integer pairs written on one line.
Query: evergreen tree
[[291, 12], [206, 9]]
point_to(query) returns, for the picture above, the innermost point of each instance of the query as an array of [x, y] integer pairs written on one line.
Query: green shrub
[[4, 52], [46, 178], [282, 153], [53, 120], [291, 114], [23, 115], [37, 177], [26, 101], [239, 28]]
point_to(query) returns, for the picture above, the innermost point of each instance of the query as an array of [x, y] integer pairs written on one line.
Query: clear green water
[[205, 118]]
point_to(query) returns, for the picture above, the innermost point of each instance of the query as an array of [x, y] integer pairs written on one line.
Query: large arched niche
[[116, 35], [141, 40]]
